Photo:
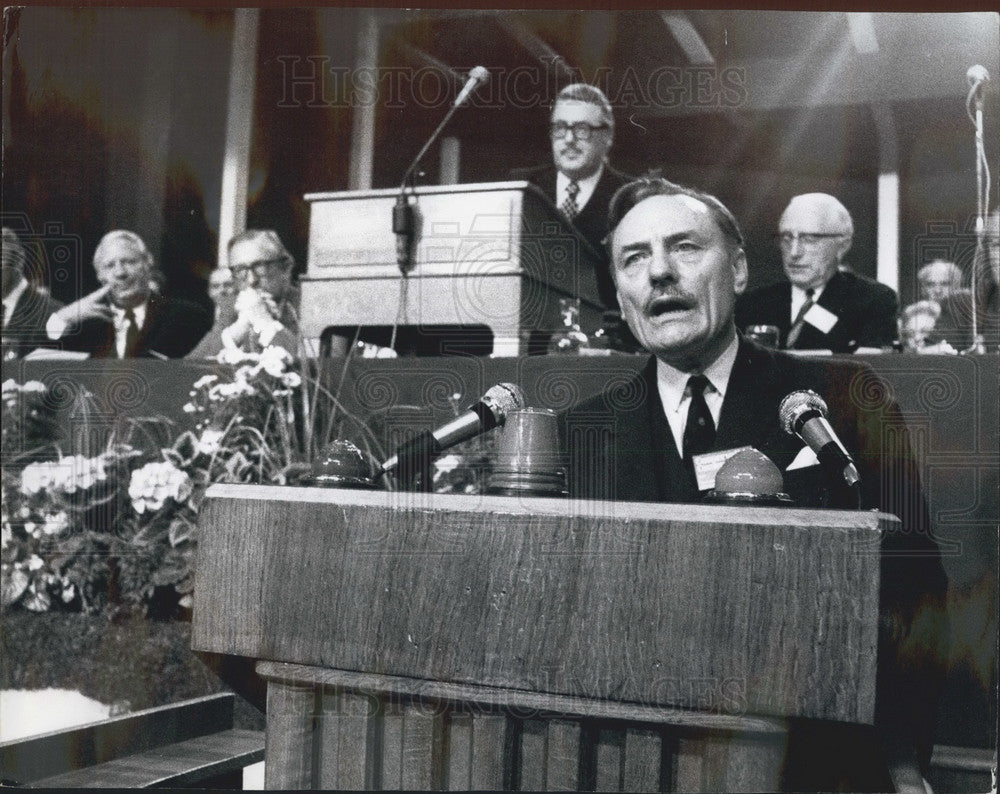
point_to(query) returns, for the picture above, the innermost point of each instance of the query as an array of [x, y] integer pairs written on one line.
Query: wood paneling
[[726, 611]]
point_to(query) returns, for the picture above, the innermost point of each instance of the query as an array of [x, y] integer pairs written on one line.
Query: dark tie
[[800, 319], [131, 334], [569, 206], [699, 432]]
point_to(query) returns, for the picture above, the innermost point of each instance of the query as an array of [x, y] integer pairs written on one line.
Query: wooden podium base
[[338, 729]]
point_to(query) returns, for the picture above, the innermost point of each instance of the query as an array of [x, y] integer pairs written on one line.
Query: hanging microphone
[[490, 411], [477, 76], [803, 414]]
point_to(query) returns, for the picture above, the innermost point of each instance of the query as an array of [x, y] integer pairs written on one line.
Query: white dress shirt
[[674, 396]]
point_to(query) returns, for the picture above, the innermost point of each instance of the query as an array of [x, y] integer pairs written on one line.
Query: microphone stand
[[404, 212], [978, 346]]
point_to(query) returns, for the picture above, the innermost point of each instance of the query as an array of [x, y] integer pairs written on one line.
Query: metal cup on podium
[[528, 458]]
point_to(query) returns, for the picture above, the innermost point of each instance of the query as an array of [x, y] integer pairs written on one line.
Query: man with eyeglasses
[[580, 181], [127, 317], [266, 307], [822, 306]]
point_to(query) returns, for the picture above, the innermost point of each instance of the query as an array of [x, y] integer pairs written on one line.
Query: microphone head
[[795, 405], [481, 74], [977, 74], [502, 399]]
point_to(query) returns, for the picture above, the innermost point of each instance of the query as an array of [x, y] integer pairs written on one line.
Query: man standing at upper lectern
[[580, 182]]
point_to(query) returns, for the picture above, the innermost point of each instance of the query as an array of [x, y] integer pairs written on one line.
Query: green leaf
[[15, 582]]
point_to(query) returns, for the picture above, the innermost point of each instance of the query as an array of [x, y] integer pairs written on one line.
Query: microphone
[[977, 75], [479, 75], [405, 217], [803, 414], [490, 411]]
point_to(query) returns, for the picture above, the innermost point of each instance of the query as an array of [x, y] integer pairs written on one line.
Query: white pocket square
[[806, 457]]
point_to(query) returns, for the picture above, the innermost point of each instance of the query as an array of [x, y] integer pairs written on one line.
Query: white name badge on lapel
[[821, 318], [707, 466]]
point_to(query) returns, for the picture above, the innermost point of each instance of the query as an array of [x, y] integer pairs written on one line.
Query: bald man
[[821, 306]]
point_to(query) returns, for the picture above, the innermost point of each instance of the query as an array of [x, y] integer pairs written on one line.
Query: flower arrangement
[[120, 527]]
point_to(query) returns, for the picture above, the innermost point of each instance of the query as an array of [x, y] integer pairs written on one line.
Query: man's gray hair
[[267, 242], [637, 191], [101, 252], [584, 92], [954, 271]]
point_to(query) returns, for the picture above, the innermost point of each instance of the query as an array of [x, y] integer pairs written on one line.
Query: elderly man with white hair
[[821, 306], [126, 317], [939, 279]]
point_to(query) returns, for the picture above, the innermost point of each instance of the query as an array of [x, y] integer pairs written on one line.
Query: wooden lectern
[[439, 641], [494, 254]]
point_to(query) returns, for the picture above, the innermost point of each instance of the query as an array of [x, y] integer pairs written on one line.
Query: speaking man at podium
[[679, 264]]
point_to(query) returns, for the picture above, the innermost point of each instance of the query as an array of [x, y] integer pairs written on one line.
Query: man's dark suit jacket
[[172, 327], [632, 457], [25, 329], [591, 221], [866, 311]]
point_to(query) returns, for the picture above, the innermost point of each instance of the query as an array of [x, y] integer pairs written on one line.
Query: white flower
[[33, 386], [189, 408], [69, 592], [205, 380], [10, 386], [66, 474], [235, 356], [55, 523], [35, 562], [151, 486], [210, 441], [447, 463], [291, 379], [274, 359]]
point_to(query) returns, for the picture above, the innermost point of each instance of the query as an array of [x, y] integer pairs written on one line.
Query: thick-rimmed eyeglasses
[[260, 268], [581, 129], [788, 239]]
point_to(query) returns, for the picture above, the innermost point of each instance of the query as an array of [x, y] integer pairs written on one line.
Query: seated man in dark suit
[[580, 181], [25, 308], [265, 311], [679, 265], [821, 306], [126, 317], [955, 323]]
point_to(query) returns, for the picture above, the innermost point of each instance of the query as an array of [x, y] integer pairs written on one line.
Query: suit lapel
[[747, 407]]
